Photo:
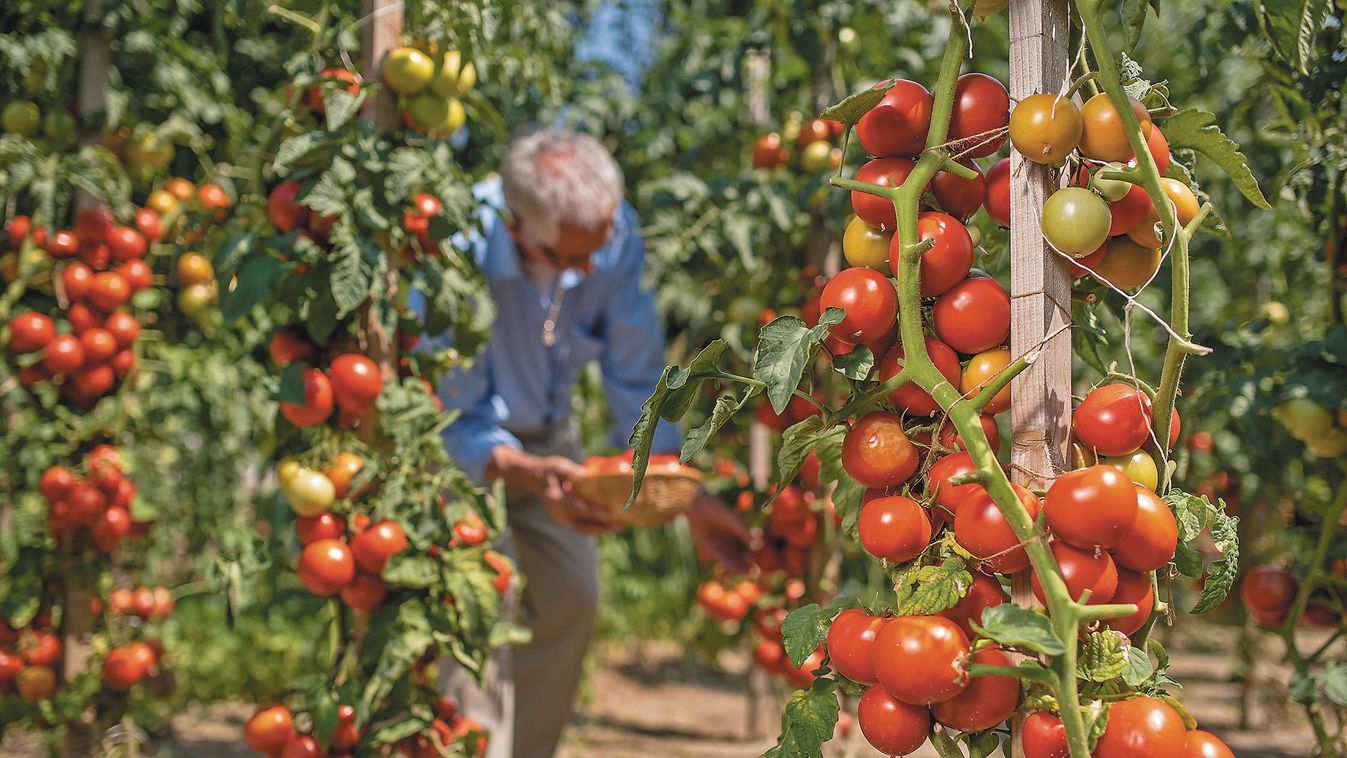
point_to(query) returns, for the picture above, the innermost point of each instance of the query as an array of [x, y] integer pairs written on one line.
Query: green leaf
[[291, 389], [856, 364], [1190, 511], [256, 281], [324, 710], [927, 590], [808, 722], [1222, 571], [1335, 682], [796, 443], [1139, 667], [643, 433], [683, 392], [1301, 688], [739, 232], [295, 148], [1102, 657], [411, 570], [725, 408], [1189, 560], [804, 629], [340, 106], [1293, 28], [850, 110], [1197, 130], [785, 348], [1014, 626]]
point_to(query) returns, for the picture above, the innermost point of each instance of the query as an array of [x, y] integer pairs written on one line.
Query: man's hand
[[548, 478], [719, 534]]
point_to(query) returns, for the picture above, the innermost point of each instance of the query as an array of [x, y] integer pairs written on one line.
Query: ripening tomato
[[365, 593], [981, 529], [864, 245], [1138, 466], [1045, 128], [985, 592], [894, 528], [1142, 726], [910, 397], [986, 701], [325, 567], [317, 406], [877, 453], [1113, 419], [374, 546], [997, 200], [1268, 592], [1103, 136], [1076, 221], [76, 278], [1185, 208], [948, 260], [982, 368], [850, 640], [1150, 541], [1133, 587], [1128, 211], [149, 224], [356, 382], [973, 316], [897, 126], [30, 332], [342, 470], [1091, 507], [957, 196], [10, 666], [870, 303], [891, 726], [887, 172], [36, 683], [1128, 265], [1202, 744], [194, 268], [64, 355], [108, 291], [1158, 147], [213, 197], [1044, 736], [980, 117], [768, 152], [1082, 570], [921, 659]]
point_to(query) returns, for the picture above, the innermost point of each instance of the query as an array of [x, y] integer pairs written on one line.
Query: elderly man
[[563, 256]]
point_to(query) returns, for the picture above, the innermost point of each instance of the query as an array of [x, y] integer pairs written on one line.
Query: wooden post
[[1040, 290], [381, 32]]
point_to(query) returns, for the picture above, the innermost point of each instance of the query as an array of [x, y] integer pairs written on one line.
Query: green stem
[[867, 397], [958, 169], [945, 745], [1034, 674], [856, 185], [997, 383]]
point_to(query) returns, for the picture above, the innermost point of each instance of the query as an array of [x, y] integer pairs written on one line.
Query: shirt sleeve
[[634, 356], [472, 436]]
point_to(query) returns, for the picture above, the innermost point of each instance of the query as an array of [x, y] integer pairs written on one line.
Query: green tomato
[[35, 81], [59, 126], [407, 70], [1138, 465], [309, 492], [864, 245], [817, 157], [435, 115], [21, 117], [454, 77], [196, 300], [1111, 190], [286, 471], [1330, 444], [1076, 221], [1304, 418]]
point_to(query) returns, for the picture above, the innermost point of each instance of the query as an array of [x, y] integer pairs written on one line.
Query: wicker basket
[[664, 494]]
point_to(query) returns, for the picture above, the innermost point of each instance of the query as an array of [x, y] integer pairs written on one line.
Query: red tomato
[[921, 659], [121, 669], [997, 199], [1129, 211], [1083, 266], [986, 701], [313, 95], [1044, 736], [286, 214], [99, 345], [1092, 506], [950, 439], [850, 640], [10, 666], [63, 244], [213, 197], [1158, 147], [324, 526], [870, 303], [769, 655], [123, 327], [76, 278], [1083, 570], [910, 397], [894, 528], [30, 332], [64, 355], [981, 115], [769, 153], [85, 503], [108, 291], [973, 316], [137, 273], [877, 453], [317, 405], [374, 546], [125, 243], [94, 381], [948, 261], [937, 487], [94, 224], [888, 172], [504, 571], [39, 647], [897, 126], [891, 726], [981, 529], [149, 224], [1133, 587], [356, 382], [111, 528], [346, 736], [17, 229], [1113, 419], [288, 344], [1202, 744], [55, 483], [326, 566], [1142, 726], [303, 746], [985, 592], [957, 196], [269, 728], [1150, 541], [1268, 592], [365, 593]]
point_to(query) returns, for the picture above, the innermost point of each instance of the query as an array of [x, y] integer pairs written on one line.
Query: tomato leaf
[[1189, 560], [1102, 657], [411, 570], [1335, 682], [397, 731], [1292, 28], [926, 590], [291, 389], [684, 392], [256, 281], [323, 707], [725, 408], [806, 627], [1014, 626], [340, 105], [808, 722], [643, 432], [1222, 571], [856, 364], [851, 108], [796, 443], [1197, 129], [847, 492], [1139, 667], [786, 347]]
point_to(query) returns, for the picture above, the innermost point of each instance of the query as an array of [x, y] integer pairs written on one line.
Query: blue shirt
[[518, 383]]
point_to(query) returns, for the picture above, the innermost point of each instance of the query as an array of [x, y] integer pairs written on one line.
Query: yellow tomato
[[864, 245], [981, 368]]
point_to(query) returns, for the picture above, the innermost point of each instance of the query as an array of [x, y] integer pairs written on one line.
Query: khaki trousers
[[527, 695]]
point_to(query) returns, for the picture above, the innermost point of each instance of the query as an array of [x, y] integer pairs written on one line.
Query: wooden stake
[[1040, 289], [382, 31]]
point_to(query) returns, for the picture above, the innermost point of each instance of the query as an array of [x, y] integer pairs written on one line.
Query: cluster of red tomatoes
[[1269, 592], [99, 499], [814, 140], [1109, 224], [127, 665], [145, 603], [271, 732], [351, 384], [102, 265], [29, 658]]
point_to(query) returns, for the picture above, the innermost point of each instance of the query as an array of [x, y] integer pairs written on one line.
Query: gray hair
[[556, 175]]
